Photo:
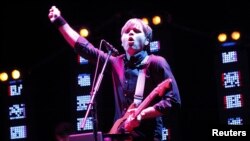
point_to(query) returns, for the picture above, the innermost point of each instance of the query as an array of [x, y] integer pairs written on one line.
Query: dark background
[[188, 41]]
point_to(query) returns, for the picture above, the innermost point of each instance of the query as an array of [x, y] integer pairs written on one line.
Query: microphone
[[109, 47]]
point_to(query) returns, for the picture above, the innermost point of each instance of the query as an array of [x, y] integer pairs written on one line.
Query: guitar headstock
[[163, 86]]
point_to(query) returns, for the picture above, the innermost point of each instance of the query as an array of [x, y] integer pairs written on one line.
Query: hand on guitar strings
[[132, 121]]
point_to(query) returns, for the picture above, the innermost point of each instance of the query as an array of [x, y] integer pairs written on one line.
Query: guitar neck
[[159, 90], [145, 103]]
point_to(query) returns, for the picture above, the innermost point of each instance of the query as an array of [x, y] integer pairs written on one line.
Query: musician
[[135, 40]]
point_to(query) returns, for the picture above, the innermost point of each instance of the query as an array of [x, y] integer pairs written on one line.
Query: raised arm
[[69, 34]]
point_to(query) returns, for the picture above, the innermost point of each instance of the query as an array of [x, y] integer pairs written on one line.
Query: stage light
[[145, 20], [222, 37], [84, 32], [235, 35], [232, 72], [156, 20], [15, 74], [3, 76]]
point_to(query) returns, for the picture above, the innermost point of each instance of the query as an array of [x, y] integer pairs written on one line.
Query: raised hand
[[54, 12]]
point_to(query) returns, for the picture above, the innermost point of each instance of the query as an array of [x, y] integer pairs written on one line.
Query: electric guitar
[[159, 90]]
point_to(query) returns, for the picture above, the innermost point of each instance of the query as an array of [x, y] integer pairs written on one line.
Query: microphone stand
[[93, 94]]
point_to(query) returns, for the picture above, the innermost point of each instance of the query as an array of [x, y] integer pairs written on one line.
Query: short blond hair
[[146, 28]]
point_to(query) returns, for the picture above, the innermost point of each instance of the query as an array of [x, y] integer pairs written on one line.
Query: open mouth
[[130, 41]]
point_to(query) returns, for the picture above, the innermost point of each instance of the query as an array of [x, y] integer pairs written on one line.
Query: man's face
[[133, 38]]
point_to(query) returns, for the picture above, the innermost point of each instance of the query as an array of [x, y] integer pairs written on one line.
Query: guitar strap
[[140, 83]]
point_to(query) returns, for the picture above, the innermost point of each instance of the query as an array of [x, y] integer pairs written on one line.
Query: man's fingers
[[131, 110]]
